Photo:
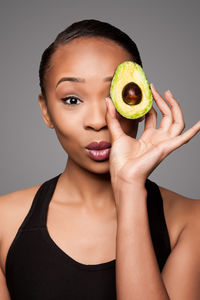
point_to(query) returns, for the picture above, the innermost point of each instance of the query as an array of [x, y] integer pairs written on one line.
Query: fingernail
[[107, 101], [169, 92], [152, 85]]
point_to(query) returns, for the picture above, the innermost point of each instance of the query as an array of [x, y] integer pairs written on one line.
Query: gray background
[[167, 35]]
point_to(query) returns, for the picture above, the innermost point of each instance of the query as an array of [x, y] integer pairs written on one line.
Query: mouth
[[99, 151]]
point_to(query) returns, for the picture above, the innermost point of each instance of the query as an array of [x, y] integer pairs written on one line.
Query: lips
[[98, 145], [99, 151]]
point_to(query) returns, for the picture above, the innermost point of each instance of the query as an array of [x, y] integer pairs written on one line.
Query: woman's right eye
[[71, 100]]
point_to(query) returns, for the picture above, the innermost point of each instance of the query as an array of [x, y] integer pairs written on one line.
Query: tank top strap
[[157, 223], [36, 217]]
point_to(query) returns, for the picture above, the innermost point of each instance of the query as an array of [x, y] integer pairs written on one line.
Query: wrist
[[131, 206], [124, 184], [132, 192]]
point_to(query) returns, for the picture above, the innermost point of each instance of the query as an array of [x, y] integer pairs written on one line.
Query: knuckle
[[161, 149], [187, 141], [182, 127]]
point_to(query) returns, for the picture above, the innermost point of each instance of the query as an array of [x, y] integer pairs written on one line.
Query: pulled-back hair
[[88, 28]]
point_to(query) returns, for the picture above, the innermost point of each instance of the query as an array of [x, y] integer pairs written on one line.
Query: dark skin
[[86, 202]]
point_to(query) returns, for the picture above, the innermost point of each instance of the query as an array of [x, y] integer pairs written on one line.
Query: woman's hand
[[134, 160]]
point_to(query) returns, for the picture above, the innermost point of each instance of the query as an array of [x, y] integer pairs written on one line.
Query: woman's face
[[76, 107]]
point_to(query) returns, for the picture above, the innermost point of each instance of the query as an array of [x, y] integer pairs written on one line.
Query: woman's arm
[[131, 162], [137, 272], [4, 294]]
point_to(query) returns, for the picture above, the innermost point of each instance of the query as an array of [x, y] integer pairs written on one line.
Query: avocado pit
[[132, 93]]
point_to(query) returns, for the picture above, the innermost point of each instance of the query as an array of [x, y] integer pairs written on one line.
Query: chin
[[98, 167]]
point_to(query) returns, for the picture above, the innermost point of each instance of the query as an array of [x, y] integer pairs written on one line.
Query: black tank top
[[37, 269]]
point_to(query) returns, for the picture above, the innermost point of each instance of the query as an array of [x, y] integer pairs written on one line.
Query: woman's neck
[[93, 191]]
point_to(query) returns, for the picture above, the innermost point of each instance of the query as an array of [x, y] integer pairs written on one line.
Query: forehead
[[87, 56]]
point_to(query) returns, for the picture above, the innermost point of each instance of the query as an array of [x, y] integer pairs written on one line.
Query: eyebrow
[[77, 79]]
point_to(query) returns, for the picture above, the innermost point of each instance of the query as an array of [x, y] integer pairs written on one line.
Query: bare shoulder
[[12, 205], [179, 211], [13, 209], [182, 265]]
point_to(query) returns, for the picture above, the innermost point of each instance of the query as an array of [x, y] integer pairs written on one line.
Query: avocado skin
[[126, 72]]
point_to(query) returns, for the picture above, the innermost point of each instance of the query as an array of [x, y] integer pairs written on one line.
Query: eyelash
[[70, 97]]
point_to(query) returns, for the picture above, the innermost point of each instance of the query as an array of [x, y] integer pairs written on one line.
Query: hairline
[[57, 44]]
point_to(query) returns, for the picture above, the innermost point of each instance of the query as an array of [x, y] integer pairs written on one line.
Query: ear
[[44, 109]]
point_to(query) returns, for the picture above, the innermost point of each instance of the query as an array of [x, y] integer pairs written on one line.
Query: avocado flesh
[[125, 73]]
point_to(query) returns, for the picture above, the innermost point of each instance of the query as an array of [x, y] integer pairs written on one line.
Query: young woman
[[100, 229]]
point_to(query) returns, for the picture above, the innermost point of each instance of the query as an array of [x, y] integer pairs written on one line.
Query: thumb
[[112, 121]]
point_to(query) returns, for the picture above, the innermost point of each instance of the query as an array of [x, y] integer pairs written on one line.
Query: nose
[[95, 118]]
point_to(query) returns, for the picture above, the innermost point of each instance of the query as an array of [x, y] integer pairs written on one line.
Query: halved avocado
[[130, 91]]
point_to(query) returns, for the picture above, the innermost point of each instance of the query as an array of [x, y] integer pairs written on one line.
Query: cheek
[[68, 128], [69, 139]]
